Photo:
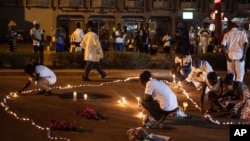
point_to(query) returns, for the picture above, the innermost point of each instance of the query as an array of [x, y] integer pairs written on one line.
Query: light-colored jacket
[[92, 47]]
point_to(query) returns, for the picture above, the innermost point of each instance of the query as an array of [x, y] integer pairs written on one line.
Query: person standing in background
[[92, 52], [166, 42], [247, 64], [104, 37], [192, 39], [77, 37], [204, 34], [60, 35], [234, 45], [117, 35], [125, 38], [11, 36], [144, 35], [36, 34]]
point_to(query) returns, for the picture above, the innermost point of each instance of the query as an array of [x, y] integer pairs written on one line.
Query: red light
[[217, 1]]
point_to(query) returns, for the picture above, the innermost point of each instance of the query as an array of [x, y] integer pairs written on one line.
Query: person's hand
[[224, 103], [242, 58], [199, 74]]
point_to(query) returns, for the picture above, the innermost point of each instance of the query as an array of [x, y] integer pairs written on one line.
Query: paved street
[[102, 97]]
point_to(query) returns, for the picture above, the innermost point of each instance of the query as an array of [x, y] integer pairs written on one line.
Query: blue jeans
[[118, 46]]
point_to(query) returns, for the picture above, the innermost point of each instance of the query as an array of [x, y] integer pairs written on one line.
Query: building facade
[[162, 15]]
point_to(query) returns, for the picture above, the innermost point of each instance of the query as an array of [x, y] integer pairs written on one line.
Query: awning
[[160, 18], [70, 17], [133, 19], [102, 18]]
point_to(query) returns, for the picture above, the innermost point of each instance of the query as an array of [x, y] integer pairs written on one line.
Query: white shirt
[[185, 61], [161, 93], [93, 49], [37, 34], [205, 68], [47, 73], [234, 41], [77, 35], [215, 88]]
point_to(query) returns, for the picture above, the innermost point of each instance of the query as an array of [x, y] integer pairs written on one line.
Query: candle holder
[[74, 96], [85, 97], [138, 101], [185, 105]]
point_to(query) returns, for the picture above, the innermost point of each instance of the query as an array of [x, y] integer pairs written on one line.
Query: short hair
[[229, 79], [145, 76], [29, 69], [90, 24], [78, 25], [212, 75]]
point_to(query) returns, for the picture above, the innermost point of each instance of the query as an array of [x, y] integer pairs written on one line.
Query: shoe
[[104, 75], [182, 114], [86, 79], [41, 92], [49, 93]]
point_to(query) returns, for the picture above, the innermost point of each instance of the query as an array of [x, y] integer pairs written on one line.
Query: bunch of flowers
[[138, 134], [64, 125], [89, 113]]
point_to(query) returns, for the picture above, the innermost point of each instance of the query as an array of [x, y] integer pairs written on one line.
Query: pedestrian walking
[[92, 52]]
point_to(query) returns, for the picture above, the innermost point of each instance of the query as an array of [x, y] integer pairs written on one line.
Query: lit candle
[[185, 105], [138, 101], [140, 114], [74, 96], [85, 96], [118, 101], [179, 84], [173, 78], [123, 100]]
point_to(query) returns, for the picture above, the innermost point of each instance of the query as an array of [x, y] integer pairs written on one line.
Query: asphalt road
[[103, 96]]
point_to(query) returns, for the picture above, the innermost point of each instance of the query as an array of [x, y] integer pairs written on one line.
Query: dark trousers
[[39, 53], [154, 109], [89, 65]]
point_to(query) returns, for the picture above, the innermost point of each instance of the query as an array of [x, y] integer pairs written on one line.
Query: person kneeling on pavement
[[159, 100], [213, 89], [198, 75], [236, 98], [41, 76]]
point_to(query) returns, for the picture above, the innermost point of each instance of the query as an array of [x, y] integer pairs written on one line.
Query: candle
[[173, 78], [85, 96], [123, 100], [185, 105], [138, 101], [74, 96]]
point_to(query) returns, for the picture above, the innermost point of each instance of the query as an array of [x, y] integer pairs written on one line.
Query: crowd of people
[[230, 93]]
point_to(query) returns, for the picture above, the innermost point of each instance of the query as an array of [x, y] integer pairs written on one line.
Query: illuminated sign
[[217, 1]]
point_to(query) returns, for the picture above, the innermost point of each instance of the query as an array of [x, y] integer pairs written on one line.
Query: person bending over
[[41, 76], [159, 100], [213, 90]]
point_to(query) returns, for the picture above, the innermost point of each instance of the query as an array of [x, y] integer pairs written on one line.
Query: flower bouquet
[[140, 134], [64, 125], [89, 113]]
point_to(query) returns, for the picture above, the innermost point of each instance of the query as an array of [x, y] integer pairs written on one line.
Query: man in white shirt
[[36, 34], [92, 52], [159, 100], [41, 76], [183, 65], [198, 75], [234, 45], [77, 37]]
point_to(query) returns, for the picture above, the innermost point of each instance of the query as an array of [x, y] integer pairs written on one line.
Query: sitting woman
[[159, 100], [183, 65], [240, 98]]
